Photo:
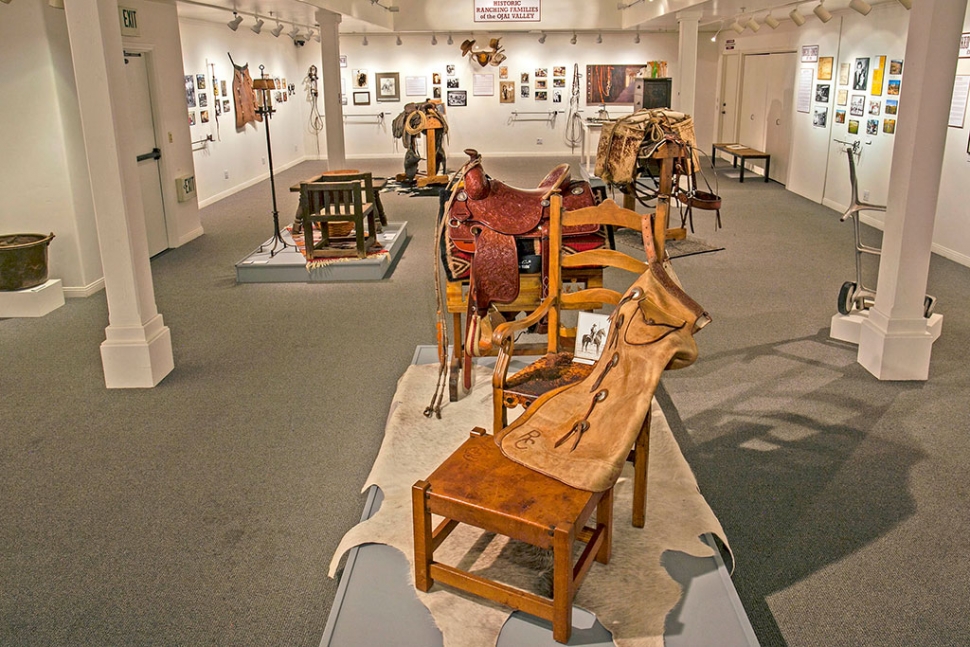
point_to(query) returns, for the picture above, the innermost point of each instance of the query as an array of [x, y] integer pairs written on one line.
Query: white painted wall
[[484, 123], [43, 172], [951, 235], [243, 152]]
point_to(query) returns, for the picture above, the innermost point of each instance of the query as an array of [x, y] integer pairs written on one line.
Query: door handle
[[155, 154]]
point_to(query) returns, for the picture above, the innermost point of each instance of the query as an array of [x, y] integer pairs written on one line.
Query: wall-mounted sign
[[809, 53], [965, 46], [729, 45], [507, 10], [129, 21]]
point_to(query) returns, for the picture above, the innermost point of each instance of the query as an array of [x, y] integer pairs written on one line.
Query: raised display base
[[32, 302], [848, 327], [289, 265]]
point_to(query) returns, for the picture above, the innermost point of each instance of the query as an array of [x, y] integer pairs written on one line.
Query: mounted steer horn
[[494, 55]]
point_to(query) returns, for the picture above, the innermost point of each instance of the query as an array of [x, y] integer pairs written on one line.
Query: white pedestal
[[32, 302], [137, 357], [890, 357]]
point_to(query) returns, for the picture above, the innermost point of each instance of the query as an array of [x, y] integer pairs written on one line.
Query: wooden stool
[[477, 485]]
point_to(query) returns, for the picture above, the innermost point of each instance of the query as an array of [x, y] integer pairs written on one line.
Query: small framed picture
[[821, 117], [541, 95], [457, 98], [540, 84], [524, 91], [541, 73], [853, 126], [875, 106], [506, 92], [889, 126], [191, 117], [825, 68], [840, 116], [872, 127], [361, 78], [893, 87], [559, 70], [204, 116], [362, 98], [858, 106], [436, 92], [453, 83], [450, 69], [388, 86], [557, 96], [435, 78], [892, 106], [842, 97], [896, 67], [200, 81], [226, 105], [844, 73], [503, 72], [524, 77], [822, 92], [559, 83], [591, 331]]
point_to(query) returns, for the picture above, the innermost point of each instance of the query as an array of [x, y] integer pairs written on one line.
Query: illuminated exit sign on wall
[[129, 21], [507, 10]]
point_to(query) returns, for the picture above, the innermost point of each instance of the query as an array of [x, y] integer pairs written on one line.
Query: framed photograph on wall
[[362, 98], [892, 105], [896, 67], [822, 92], [809, 53], [860, 77], [541, 95], [506, 92], [872, 127], [821, 117], [200, 81], [559, 70], [840, 116], [825, 68], [388, 86], [853, 126], [844, 69], [524, 91], [457, 98], [842, 98], [361, 79], [965, 45], [858, 106]]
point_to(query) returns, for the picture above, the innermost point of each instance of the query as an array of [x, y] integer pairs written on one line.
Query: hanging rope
[[573, 134]]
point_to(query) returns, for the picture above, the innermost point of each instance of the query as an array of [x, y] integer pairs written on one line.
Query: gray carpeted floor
[[204, 511]]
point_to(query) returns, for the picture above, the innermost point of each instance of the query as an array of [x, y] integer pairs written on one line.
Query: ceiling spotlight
[[451, 41], [823, 14], [736, 26], [906, 3], [572, 41], [718, 32], [364, 42], [258, 26], [636, 39], [542, 38], [771, 21], [753, 25], [277, 30], [309, 35], [599, 39], [294, 33], [234, 23], [399, 41], [861, 6], [434, 39], [796, 17]]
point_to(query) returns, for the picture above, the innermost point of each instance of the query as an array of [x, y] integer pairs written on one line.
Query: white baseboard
[[248, 183], [192, 235], [83, 291]]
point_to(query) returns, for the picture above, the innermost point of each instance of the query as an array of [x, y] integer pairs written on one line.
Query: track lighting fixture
[[906, 3], [294, 33], [572, 41], [258, 27], [399, 41], [796, 17], [234, 23], [451, 41], [861, 6], [753, 25], [364, 42], [599, 39], [737, 26], [718, 32], [434, 39], [542, 38], [771, 21], [636, 39], [277, 30], [823, 14]]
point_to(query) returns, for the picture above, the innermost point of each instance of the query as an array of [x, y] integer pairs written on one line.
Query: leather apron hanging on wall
[[244, 95]]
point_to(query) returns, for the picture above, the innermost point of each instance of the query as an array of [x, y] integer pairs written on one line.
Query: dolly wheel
[[845, 297], [928, 304]]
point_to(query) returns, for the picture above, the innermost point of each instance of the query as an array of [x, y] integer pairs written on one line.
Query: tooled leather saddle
[[490, 225]]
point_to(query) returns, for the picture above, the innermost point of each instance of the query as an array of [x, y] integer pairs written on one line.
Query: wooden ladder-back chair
[[556, 368], [323, 203], [372, 192]]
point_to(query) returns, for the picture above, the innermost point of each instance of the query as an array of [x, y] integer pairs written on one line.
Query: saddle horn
[[476, 182]]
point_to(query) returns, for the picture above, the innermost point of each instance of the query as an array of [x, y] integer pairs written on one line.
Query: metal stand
[[265, 85]]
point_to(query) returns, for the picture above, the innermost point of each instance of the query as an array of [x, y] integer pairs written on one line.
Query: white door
[[140, 100], [781, 91], [751, 130]]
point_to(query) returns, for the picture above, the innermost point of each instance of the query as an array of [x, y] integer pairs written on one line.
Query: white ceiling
[[443, 16]]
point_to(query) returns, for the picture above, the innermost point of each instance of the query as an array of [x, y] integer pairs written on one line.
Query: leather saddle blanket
[[491, 226]]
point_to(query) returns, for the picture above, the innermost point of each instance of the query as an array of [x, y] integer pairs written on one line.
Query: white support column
[[137, 351], [686, 80], [330, 74], [895, 340]]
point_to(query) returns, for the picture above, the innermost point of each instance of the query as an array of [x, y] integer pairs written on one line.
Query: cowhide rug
[[630, 596]]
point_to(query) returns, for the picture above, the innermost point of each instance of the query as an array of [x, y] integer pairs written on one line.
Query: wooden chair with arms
[[323, 203], [556, 368]]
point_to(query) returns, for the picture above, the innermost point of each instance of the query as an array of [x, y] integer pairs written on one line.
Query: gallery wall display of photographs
[[198, 86], [862, 83]]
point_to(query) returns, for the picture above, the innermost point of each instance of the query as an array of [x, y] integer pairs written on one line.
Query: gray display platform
[[376, 604], [289, 265]]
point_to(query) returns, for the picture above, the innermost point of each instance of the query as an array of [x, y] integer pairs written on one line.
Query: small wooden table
[[745, 153]]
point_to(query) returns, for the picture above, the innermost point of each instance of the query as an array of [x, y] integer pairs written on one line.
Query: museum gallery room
[[484, 322]]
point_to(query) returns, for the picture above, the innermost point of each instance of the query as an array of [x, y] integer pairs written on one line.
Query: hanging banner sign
[[507, 10]]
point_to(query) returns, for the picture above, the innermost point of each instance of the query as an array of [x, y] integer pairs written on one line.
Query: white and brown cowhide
[[630, 596]]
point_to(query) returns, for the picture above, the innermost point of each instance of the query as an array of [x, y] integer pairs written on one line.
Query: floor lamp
[[265, 86]]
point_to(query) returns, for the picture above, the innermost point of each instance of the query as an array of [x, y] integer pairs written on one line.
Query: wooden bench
[[745, 153]]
